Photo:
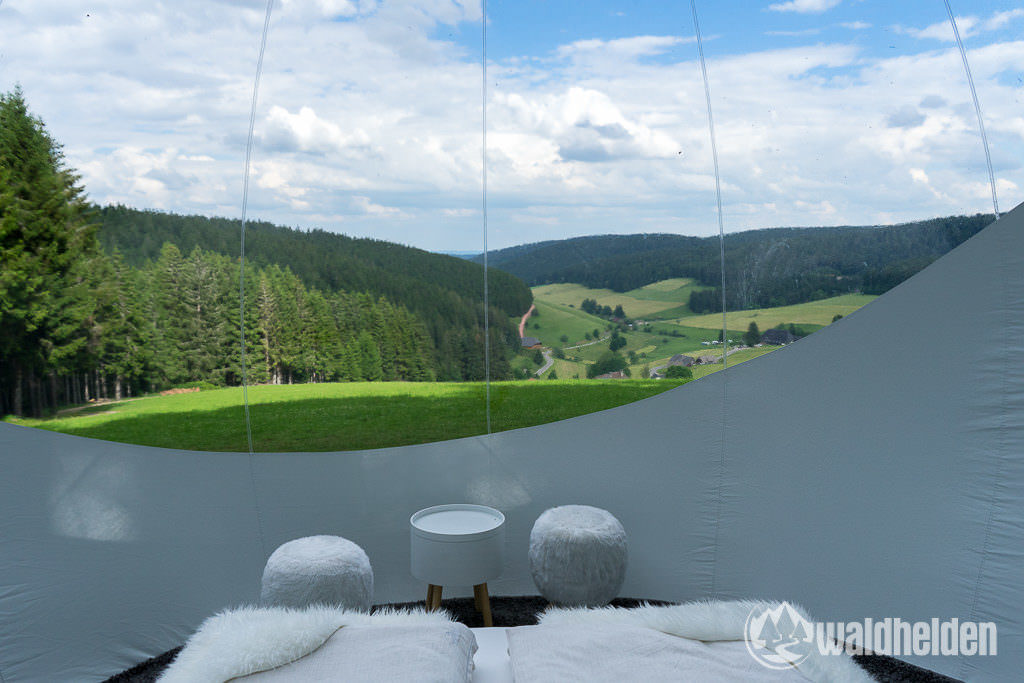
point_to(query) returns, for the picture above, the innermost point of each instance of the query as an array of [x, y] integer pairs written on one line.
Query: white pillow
[[249, 640]]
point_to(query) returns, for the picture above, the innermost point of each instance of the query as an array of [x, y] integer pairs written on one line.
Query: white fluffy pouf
[[578, 555], [318, 570]]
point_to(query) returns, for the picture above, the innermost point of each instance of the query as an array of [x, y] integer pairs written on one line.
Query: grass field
[[673, 328], [664, 299], [813, 313], [334, 417], [554, 321], [642, 342]]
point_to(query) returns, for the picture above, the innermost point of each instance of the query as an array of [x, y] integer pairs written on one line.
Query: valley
[[657, 324]]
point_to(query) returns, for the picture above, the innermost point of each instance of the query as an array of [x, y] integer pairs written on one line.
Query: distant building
[[618, 374], [680, 359], [530, 343], [706, 360], [777, 337]]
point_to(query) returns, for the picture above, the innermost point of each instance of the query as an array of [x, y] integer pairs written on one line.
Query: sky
[[827, 112]]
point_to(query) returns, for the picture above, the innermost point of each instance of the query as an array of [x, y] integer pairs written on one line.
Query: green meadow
[[664, 299], [555, 321], [819, 313], [343, 416], [670, 328], [362, 415]]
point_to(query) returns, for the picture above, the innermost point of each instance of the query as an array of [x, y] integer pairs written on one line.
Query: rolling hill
[[444, 292], [773, 267]]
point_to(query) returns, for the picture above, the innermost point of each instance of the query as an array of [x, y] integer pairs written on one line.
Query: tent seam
[[1001, 447], [719, 486], [725, 333]]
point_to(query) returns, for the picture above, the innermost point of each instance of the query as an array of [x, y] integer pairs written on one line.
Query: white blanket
[[350, 646], [621, 652], [607, 643]]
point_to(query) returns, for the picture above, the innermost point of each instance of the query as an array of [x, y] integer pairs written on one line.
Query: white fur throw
[[708, 621], [578, 555], [318, 570], [247, 640]]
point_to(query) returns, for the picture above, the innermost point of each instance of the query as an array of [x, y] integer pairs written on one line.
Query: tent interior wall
[[851, 473]]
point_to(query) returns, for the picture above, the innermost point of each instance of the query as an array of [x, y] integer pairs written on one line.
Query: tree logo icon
[[778, 637]]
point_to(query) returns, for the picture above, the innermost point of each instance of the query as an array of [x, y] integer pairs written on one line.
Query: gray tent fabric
[[874, 469]]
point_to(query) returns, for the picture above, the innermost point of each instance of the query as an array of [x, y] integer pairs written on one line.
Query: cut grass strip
[[338, 417]]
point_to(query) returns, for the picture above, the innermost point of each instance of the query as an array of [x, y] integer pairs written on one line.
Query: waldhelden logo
[[779, 638]]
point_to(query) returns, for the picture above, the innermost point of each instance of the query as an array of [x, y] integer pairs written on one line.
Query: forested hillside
[[112, 301], [445, 292], [775, 267]]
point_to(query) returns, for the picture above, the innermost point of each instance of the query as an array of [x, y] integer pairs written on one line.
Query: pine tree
[[369, 358], [44, 232], [167, 312], [752, 336]]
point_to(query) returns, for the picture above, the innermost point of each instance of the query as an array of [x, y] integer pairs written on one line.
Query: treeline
[[445, 292], [186, 321], [592, 307], [79, 320], [773, 267]]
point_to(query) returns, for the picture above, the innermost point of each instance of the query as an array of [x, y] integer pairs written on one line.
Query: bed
[[691, 642]]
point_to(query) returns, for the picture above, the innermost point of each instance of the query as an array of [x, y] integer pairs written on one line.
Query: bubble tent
[[859, 478]]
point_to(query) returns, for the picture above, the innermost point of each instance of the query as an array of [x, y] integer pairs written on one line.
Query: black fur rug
[[523, 610]]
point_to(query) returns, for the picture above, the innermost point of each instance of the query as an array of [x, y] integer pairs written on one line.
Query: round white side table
[[458, 545]]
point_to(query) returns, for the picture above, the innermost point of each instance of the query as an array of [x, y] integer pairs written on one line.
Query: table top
[[456, 521]]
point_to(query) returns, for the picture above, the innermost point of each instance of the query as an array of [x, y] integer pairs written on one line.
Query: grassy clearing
[[673, 328], [353, 416], [555, 321], [704, 370], [811, 313], [664, 299]]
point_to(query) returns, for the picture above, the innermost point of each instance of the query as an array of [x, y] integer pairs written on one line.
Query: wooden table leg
[[433, 597], [483, 603]]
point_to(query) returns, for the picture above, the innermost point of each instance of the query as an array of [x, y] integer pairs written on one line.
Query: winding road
[[580, 346], [522, 323], [548, 362]]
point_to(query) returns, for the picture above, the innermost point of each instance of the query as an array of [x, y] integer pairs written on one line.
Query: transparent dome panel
[[849, 157]]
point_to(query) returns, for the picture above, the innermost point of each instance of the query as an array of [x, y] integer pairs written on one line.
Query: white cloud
[[459, 213], [803, 32], [369, 122], [855, 25], [623, 48], [364, 205], [1000, 19], [579, 124], [307, 132], [968, 26], [804, 6]]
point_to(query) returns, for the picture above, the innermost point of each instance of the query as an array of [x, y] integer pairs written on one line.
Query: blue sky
[[828, 111], [536, 28]]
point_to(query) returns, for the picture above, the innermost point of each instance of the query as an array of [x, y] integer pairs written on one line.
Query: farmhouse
[[680, 359], [530, 343], [618, 374]]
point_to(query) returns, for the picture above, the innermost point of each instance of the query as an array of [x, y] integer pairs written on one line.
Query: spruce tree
[[44, 233], [369, 358], [752, 336]]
